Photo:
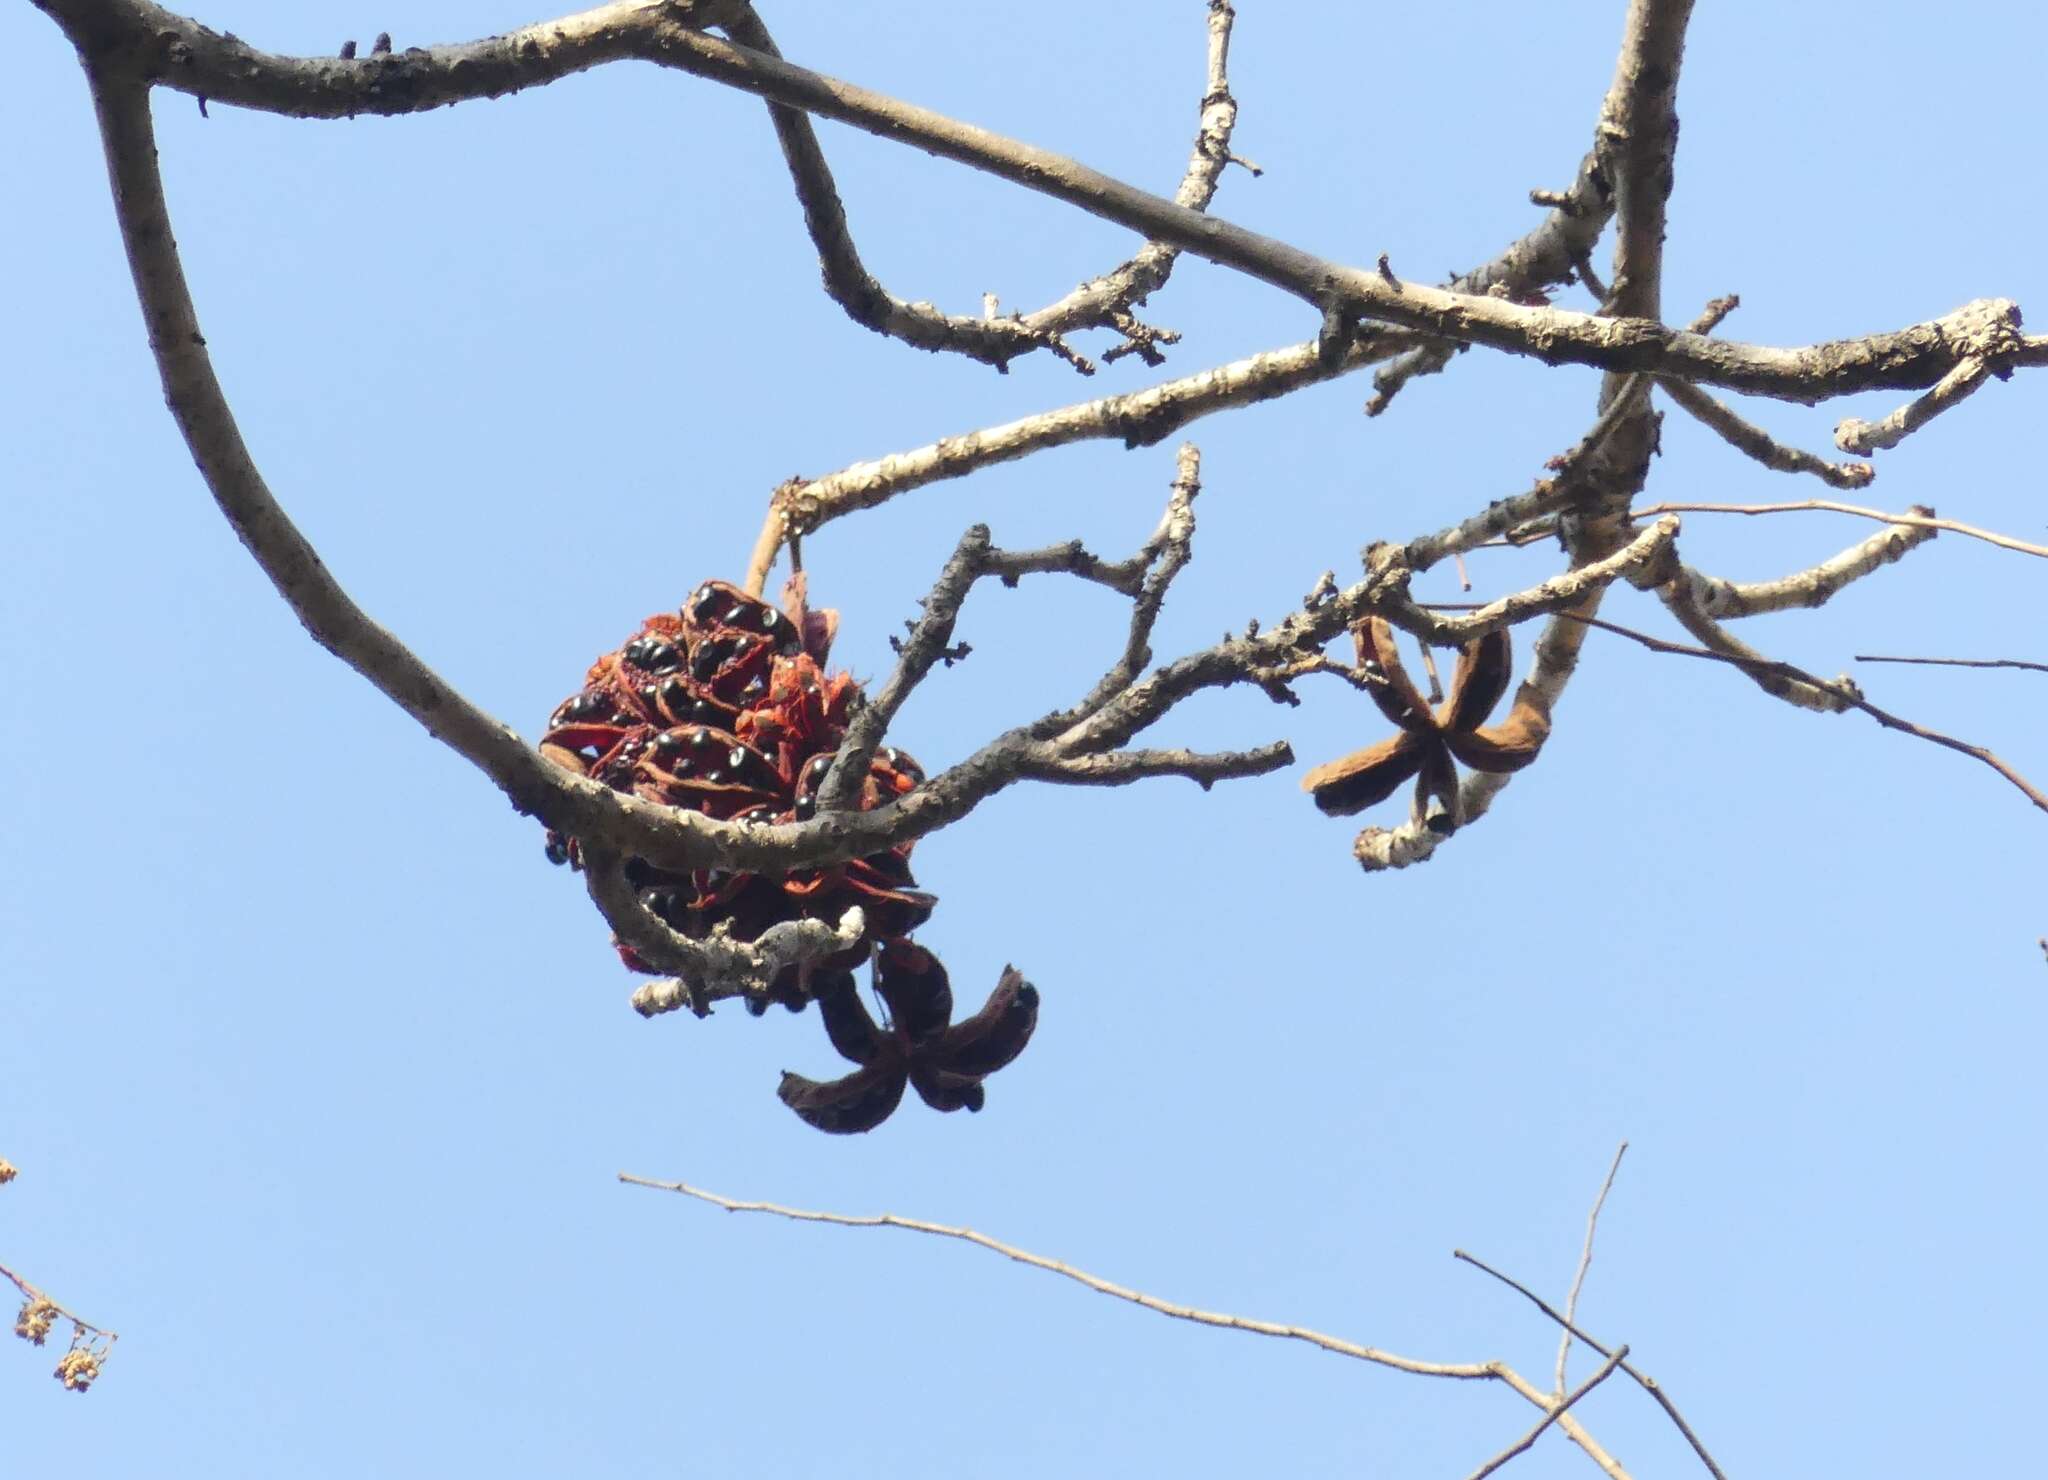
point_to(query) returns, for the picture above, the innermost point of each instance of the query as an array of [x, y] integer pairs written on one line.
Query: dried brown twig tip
[[1428, 741], [7, 1172]]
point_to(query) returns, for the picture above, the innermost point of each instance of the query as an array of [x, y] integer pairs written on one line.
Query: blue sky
[[319, 1075]]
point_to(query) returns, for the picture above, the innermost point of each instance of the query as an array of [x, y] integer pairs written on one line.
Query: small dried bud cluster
[[38, 1315], [77, 1369]]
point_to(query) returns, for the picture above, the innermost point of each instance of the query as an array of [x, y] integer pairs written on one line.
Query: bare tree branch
[[1749, 438], [1865, 437], [1468, 1371], [1844, 693], [1136, 418], [1648, 1384], [1959, 662], [1106, 301], [1564, 1406], [1571, 1301], [1918, 518], [140, 40], [1814, 586]]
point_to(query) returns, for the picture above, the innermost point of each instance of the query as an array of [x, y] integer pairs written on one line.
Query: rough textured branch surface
[[143, 42], [992, 338], [1813, 586], [1136, 418], [1746, 437]]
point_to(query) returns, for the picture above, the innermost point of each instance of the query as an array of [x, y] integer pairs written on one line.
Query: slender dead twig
[[1467, 1371], [1571, 1303], [1850, 696], [1564, 1406], [1829, 506], [1959, 662], [1642, 1379]]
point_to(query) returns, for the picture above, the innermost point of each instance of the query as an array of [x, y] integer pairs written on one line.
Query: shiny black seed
[[668, 742], [709, 658], [806, 808], [649, 695], [700, 737], [674, 694], [700, 604], [769, 617], [704, 709], [557, 850], [661, 901], [756, 1005]]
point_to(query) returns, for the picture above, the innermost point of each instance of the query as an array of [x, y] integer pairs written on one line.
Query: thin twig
[[1521, 1445], [1829, 506], [1850, 696], [1643, 1380], [1571, 1304], [1318, 1339], [1467, 1371], [1959, 662]]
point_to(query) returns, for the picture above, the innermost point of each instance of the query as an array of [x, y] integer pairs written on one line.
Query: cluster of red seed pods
[[725, 708]]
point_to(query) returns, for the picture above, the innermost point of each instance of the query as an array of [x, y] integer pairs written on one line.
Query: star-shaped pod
[[1427, 742], [944, 1061]]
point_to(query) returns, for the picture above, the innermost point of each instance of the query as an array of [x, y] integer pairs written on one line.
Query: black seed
[[700, 737], [806, 808], [674, 694], [769, 617], [668, 742], [661, 901], [701, 602], [709, 658], [557, 850]]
